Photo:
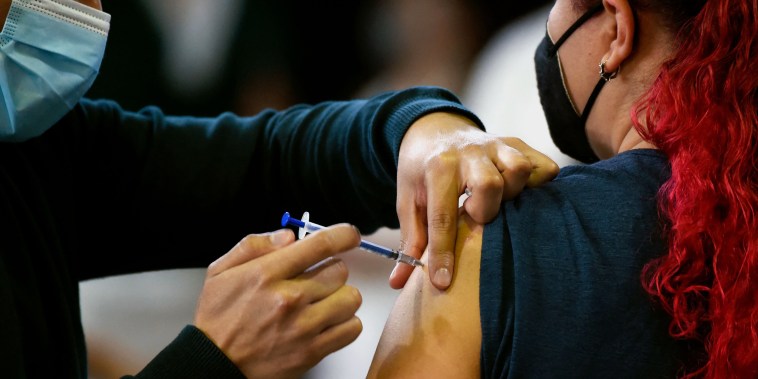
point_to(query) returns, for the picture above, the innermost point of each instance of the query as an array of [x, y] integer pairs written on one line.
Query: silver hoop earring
[[607, 76]]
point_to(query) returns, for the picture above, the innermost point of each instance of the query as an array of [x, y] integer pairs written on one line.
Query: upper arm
[[434, 333]]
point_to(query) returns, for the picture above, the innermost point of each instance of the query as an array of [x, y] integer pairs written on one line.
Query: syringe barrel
[[311, 227], [370, 246], [365, 245]]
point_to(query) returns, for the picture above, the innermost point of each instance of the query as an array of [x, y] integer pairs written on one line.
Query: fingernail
[[357, 230], [442, 277], [394, 269], [278, 238]]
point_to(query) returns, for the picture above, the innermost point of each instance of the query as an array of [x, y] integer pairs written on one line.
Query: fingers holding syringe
[[321, 281], [251, 247], [335, 309], [329, 306], [297, 257], [264, 303], [314, 315], [338, 335]]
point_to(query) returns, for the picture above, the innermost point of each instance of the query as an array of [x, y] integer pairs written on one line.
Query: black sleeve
[[190, 355], [156, 192]]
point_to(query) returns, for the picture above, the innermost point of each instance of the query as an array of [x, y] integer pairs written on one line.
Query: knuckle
[[441, 161], [259, 282], [324, 240], [286, 301], [522, 165], [247, 242], [514, 142], [443, 259], [338, 238], [441, 221], [342, 271], [551, 168], [403, 207], [212, 268], [257, 276], [339, 271], [543, 173], [489, 182]]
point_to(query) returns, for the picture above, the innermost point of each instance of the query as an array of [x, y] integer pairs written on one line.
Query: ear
[[622, 45]]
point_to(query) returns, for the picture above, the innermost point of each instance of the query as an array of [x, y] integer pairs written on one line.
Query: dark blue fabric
[[107, 192], [560, 288]]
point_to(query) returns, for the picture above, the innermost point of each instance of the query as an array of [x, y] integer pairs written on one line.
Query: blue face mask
[[50, 52]]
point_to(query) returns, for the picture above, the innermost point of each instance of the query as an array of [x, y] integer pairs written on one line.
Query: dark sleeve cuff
[[407, 106], [190, 355]]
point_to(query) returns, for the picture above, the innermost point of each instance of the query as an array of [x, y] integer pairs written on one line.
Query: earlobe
[[622, 45]]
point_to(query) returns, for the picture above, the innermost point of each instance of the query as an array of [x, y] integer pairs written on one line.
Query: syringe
[[308, 227]]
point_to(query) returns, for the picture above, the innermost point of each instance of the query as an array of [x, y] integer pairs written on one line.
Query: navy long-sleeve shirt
[[567, 300], [107, 192]]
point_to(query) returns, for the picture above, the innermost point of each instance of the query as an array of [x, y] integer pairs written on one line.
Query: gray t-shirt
[[560, 287]]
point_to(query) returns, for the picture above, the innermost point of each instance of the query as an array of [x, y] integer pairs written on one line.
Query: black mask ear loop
[[589, 14]]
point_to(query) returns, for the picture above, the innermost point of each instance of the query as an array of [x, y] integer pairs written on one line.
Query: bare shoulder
[[431, 333]]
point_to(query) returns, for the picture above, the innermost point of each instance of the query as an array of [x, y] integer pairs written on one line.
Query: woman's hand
[[443, 156], [276, 308]]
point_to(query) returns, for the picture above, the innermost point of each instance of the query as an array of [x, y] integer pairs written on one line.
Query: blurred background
[[196, 57]]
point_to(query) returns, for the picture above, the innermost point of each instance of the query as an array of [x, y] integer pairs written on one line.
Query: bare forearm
[[435, 332]]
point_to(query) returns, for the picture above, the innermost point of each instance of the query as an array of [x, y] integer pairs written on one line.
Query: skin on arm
[[435, 333]]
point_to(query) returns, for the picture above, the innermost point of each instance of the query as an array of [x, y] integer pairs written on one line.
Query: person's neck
[[632, 140], [622, 136]]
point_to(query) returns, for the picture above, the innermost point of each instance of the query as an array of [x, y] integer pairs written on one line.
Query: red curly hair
[[701, 112]]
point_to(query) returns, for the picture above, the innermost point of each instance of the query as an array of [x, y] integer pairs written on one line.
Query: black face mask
[[566, 126]]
